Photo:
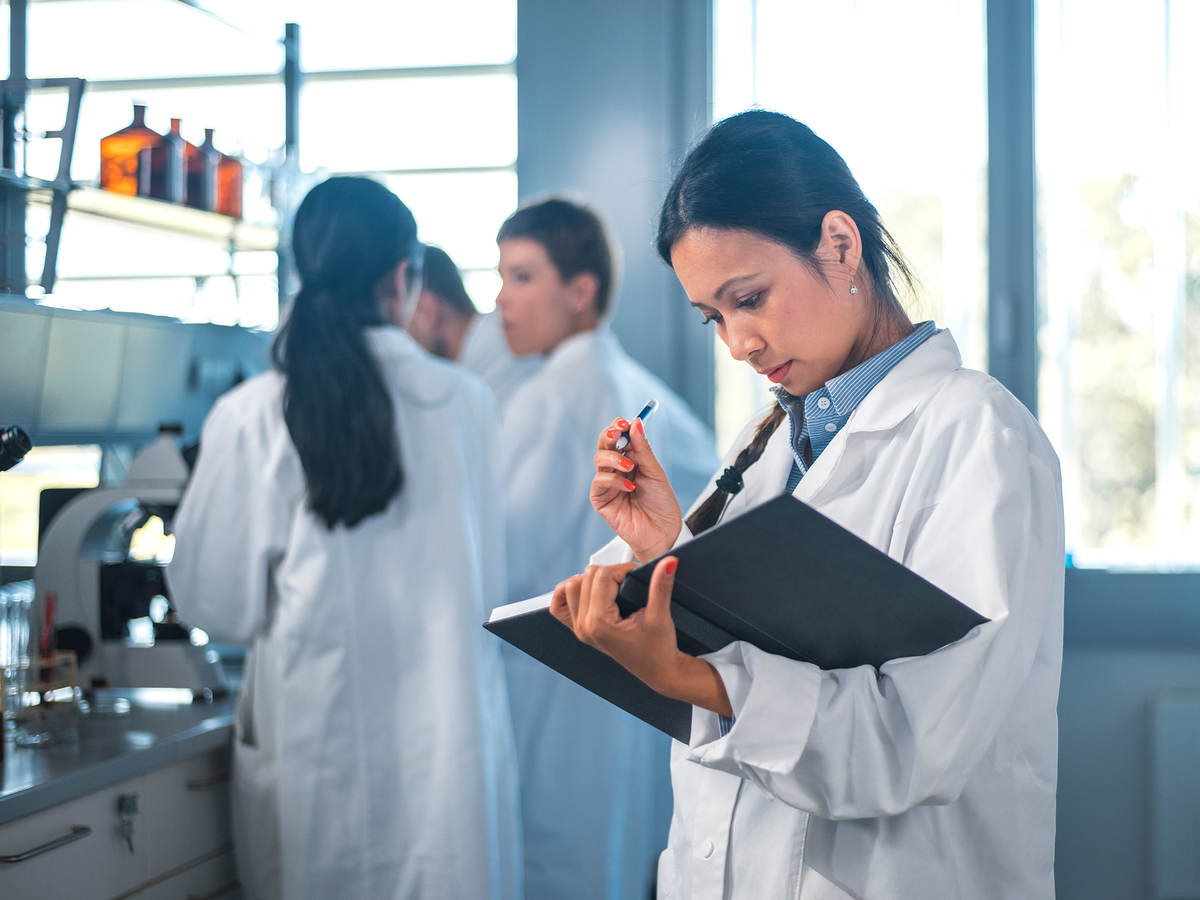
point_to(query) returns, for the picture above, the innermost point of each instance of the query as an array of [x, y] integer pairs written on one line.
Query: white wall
[[609, 97]]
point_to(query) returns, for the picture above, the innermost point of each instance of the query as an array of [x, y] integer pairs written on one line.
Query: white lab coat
[[485, 352], [374, 754], [933, 776], [594, 780]]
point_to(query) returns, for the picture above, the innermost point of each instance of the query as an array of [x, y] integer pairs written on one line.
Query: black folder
[[781, 576]]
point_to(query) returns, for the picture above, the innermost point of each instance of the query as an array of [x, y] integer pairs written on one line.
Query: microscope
[[89, 592]]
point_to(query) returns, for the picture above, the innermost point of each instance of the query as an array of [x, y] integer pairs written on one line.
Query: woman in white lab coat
[[344, 520], [594, 837], [932, 776]]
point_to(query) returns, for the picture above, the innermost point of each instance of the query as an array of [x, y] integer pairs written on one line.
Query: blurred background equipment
[[14, 444], [104, 597]]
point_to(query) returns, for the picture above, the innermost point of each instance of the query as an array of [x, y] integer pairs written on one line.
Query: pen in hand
[[623, 440]]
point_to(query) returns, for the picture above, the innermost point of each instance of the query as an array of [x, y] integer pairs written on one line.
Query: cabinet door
[[185, 811], [213, 878], [97, 863]]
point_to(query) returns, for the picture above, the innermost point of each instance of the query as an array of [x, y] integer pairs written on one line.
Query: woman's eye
[[715, 317], [749, 302]]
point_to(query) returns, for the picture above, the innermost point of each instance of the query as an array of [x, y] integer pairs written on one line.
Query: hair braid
[[708, 513]]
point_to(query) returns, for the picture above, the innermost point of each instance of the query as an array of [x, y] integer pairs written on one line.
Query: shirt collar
[[846, 391]]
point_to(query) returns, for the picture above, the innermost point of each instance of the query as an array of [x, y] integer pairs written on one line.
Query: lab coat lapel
[[886, 406]]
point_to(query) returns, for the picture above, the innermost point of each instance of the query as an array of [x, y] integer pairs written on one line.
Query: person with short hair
[[444, 311], [595, 837], [446, 323]]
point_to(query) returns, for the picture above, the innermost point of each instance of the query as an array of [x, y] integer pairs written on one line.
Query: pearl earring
[[853, 289]]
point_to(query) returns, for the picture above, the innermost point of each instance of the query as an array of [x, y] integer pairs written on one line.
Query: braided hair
[[765, 173], [708, 513]]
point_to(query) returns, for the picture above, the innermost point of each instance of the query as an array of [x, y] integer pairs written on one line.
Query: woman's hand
[[643, 643], [632, 494]]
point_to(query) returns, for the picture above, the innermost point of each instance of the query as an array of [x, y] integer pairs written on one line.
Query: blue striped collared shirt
[[824, 412]]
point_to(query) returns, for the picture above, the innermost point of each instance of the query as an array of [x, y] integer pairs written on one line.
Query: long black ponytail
[[348, 237], [766, 173]]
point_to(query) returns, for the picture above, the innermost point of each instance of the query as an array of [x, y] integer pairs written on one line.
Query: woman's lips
[[779, 372]]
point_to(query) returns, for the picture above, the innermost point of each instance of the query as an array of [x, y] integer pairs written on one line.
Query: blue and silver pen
[[623, 440]]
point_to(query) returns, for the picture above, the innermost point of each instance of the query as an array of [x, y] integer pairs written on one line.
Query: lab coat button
[[830, 426], [823, 403], [707, 848]]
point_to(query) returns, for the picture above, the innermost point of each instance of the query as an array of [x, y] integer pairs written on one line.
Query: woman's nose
[[743, 342]]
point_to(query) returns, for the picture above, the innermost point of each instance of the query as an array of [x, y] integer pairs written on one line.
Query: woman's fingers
[[612, 461], [608, 437], [639, 447], [570, 593], [662, 582], [617, 482], [559, 607], [598, 607], [584, 626]]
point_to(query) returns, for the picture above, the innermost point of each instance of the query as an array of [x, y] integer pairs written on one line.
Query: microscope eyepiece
[[14, 444]]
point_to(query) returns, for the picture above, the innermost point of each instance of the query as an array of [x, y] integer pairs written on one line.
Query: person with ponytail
[[345, 520], [930, 776]]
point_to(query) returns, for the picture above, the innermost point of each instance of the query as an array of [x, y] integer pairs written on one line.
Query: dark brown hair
[[443, 280], [574, 238], [348, 235]]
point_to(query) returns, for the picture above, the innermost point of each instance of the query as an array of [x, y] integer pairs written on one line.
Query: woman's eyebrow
[[736, 279]]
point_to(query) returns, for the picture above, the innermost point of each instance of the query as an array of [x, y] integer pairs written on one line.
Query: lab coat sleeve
[[230, 529], [857, 743]]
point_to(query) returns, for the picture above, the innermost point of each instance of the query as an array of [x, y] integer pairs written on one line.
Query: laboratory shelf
[[234, 233]]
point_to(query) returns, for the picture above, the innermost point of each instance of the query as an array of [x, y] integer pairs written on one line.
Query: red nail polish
[[670, 565], [622, 424], [629, 485], [638, 425], [611, 434], [627, 465]]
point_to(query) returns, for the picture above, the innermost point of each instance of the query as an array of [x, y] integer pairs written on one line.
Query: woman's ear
[[581, 293], [840, 247]]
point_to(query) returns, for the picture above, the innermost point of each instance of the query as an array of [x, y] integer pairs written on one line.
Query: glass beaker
[[47, 710], [16, 599]]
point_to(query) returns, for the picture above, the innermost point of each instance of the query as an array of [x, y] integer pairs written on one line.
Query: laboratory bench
[[138, 806]]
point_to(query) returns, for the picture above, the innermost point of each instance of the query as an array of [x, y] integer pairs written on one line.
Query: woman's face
[[772, 310], [536, 306]]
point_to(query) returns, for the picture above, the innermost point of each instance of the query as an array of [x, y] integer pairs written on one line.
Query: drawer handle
[[224, 891], [204, 784], [78, 833]]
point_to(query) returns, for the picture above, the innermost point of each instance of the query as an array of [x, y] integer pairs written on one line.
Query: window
[[20, 488], [401, 92], [899, 90], [1118, 209], [1119, 206]]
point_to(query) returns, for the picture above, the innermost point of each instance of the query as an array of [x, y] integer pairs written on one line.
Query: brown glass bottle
[[161, 167], [229, 186], [119, 153], [202, 165]]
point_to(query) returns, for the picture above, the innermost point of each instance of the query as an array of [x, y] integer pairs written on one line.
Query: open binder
[[782, 577]]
